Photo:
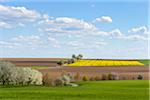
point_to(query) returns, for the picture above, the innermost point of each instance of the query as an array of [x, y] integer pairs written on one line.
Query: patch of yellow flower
[[106, 63]]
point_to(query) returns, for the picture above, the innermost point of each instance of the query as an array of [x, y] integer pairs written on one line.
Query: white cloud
[[15, 16], [55, 43], [99, 43], [135, 37], [116, 33], [142, 30], [5, 44], [68, 25], [75, 43], [36, 40], [106, 19], [66, 22], [4, 25]]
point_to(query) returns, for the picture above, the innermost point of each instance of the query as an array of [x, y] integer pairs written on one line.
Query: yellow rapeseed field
[[106, 63]]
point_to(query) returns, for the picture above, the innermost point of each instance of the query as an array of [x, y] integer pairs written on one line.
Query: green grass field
[[102, 90], [39, 67], [145, 62]]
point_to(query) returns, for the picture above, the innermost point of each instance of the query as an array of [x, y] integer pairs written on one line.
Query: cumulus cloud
[[16, 16], [116, 33], [106, 19], [142, 30], [68, 25]]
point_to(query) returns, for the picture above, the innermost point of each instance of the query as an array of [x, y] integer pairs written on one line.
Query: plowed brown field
[[128, 73], [124, 72], [51, 62]]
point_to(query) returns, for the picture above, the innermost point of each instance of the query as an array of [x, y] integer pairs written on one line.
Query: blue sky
[[96, 29]]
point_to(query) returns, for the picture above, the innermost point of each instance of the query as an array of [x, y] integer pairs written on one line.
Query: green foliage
[[70, 61]]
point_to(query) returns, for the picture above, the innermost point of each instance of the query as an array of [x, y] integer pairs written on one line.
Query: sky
[[108, 29]]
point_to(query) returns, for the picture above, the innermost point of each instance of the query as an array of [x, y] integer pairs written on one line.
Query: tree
[[80, 56], [60, 62], [73, 56], [9, 74]]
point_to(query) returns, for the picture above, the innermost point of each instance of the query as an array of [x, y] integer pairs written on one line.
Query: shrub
[[91, 79], [60, 62], [97, 78], [71, 76], [113, 76], [58, 82], [85, 78], [47, 80], [104, 77], [140, 77], [9, 74]]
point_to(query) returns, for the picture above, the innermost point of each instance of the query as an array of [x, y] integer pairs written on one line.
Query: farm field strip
[[106, 63], [100, 90]]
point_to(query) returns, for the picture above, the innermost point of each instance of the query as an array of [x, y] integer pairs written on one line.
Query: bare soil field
[[124, 72], [128, 73], [50, 62]]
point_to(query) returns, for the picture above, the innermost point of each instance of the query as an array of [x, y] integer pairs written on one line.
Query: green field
[[39, 67], [100, 90], [145, 62]]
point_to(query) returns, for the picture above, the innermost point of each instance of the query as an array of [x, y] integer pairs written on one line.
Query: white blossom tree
[[9, 74]]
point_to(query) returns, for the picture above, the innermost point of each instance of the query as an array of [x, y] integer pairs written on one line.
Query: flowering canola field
[[106, 63]]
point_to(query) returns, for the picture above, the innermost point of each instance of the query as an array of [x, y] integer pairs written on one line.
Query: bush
[[85, 78], [113, 76], [59, 82], [9, 74], [60, 62], [97, 78], [91, 79], [104, 77], [140, 77], [47, 80]]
